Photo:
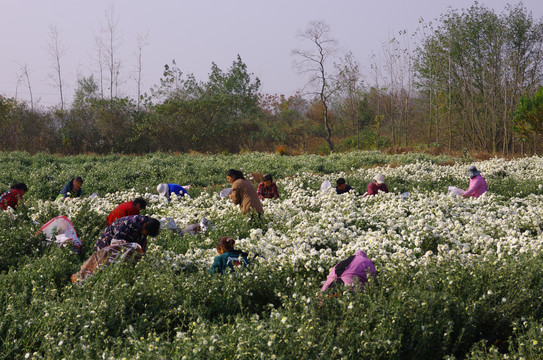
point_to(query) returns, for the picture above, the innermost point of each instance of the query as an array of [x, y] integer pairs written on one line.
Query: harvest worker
[[267, 189], [166, 190], [12, 197], [134, 228], [228, 256], [243, 193], [342, 187], [477, 183], [376, 185], [126, 209], [72, 188], [345, 272]]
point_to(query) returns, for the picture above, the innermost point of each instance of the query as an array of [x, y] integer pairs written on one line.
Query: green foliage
[[167, 307], [528, 116]]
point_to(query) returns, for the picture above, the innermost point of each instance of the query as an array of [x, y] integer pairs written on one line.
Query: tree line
[[470, 80]]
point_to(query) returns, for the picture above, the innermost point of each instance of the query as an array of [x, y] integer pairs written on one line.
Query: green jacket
[[228, 259]]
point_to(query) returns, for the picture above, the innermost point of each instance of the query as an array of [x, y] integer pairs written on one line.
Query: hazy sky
[[196, 33]]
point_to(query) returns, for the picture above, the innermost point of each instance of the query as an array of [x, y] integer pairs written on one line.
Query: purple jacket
[[359, 267], [477, 187]]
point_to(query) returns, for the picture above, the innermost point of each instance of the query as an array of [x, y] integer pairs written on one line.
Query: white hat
[[379, 178], [162, 189]]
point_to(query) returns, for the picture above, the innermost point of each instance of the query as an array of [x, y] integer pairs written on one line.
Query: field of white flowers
[[457, 278]]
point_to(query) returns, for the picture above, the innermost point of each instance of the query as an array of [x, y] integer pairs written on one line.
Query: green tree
[[528, 115]]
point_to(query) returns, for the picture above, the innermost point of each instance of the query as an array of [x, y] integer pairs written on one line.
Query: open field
[[457, 278]]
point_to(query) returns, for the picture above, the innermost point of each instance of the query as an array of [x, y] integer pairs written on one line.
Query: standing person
[[267, 189], [166, 190], [228, 256], [345, 272], [12, 197], [134, 228], [243, 192], [477, 183], [72, 188], [342, 187], [377, 184], [126, 209]]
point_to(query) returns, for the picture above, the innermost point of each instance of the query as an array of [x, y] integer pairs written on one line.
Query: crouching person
[[351, 270], [134, 228], [228, 256], [124, 239]]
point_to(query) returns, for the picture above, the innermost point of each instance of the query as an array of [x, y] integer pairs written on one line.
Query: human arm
[[66, 189], [474, 184], [330, 279], [235, 195]]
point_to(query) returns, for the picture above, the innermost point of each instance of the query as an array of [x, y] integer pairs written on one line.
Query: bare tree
[[24, 70], [313, 63], [350, 91], [56, 51], [142, 41], [108, 45]]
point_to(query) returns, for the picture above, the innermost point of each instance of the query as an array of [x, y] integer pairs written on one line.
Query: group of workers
[[127, 230]]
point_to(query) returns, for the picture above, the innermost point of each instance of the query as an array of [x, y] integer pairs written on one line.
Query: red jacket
[[11, 199], [125, 209]]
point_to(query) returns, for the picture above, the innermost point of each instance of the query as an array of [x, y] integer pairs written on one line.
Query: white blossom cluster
[[311, 229]]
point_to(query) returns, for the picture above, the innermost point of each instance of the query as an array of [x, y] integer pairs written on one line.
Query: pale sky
[[196, 33]]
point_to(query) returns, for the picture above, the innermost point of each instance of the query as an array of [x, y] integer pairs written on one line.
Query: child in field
[[228, 256], [354, 268], [126, 209], [267, 189], [71, 189], [342, 187], [12, 197], [165, 190]]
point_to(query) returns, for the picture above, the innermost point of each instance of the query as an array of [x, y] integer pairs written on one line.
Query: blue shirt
[[176, 189]]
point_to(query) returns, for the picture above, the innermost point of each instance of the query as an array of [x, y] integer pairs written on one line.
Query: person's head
[[233, 175], [341, 184], [78, 182], [268, 180], [225, 244], [379, 179], [140, 203], [150, 227], [163, 190], [20, 186], [473, 172]]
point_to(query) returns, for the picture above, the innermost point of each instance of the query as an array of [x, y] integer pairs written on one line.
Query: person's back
[[244, 194], [125, 209], [229, 260], [177, 189], [12, 197], [358, 267], [477, 186], [128, 228]]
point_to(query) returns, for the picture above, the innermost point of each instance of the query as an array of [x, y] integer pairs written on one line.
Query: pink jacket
[[359, 267], [477, 187]]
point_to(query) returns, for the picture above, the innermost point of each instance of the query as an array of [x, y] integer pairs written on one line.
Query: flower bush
[[457, 278]]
